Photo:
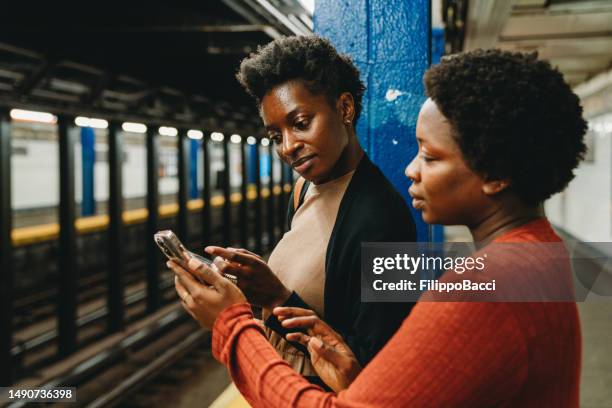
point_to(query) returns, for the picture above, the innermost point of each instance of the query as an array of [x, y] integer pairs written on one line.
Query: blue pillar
[[194, 151], [88, 139], [437, 45], [389, 40], [264, 164], [437, 51], [253, 167]]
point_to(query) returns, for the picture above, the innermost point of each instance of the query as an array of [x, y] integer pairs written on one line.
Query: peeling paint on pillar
[[389, 40]]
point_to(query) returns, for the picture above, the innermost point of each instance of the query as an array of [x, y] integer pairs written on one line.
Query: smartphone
[[174, 250]]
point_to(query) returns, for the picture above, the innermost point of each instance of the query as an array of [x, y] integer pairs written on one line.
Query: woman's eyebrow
[[293, 113], [288, 117]]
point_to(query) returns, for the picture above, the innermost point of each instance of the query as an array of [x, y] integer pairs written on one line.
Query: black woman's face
[[444, 188], [307, 130]]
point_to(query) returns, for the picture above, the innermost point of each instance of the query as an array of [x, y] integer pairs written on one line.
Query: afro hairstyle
[[513, 117], [310, 59]]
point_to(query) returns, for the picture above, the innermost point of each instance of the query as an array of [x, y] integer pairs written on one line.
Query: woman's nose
[[289, 146], [412, 170]]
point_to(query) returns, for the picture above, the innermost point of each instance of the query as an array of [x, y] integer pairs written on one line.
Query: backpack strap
[[297, 193]]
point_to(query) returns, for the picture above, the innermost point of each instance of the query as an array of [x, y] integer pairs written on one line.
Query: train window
[[168, 169], [34, 173], [235, 161], [217, 167], [134, 170]]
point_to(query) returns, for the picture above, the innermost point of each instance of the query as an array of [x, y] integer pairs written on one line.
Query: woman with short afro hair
[[309, 97]]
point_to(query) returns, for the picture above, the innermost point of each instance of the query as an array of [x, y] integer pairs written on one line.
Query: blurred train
[[35, 170]]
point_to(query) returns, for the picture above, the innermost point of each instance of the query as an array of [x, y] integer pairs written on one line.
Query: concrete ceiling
[[574, 35]]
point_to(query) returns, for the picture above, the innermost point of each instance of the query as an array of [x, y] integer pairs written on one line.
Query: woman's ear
[[346, 107], [495, 186]]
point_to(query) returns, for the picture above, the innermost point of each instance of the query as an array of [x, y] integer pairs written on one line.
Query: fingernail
[[316, 342]]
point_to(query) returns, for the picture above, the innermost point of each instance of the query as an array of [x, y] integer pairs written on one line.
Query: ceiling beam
[[190, 28], [556, 36], [486, 20]]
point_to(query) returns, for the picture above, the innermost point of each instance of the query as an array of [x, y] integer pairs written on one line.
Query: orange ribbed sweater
[[444, 355]]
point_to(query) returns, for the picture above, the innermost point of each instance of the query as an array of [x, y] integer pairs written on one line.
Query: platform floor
[[596, 382]]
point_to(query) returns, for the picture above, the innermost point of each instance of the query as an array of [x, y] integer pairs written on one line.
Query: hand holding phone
[[175, 251]]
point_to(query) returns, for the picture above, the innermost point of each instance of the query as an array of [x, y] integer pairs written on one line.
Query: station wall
[[584, 208]]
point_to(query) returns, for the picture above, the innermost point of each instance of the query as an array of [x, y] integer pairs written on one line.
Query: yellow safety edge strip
[[46, 232]]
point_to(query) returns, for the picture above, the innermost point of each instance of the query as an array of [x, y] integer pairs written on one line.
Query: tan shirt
[[299, 258]]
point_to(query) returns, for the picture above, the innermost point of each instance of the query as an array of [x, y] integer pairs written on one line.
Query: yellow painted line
[[134, 216], [47, 232], [37, 233], [230, 398]]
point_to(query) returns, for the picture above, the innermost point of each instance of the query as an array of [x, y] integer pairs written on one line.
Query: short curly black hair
[[311, 59], [514, 118]]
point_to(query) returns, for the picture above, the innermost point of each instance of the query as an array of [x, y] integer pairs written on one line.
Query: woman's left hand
[[255, 278], [204, 293], [331, 357]]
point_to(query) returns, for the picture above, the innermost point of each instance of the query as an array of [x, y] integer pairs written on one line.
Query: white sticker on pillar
[[393, 94]]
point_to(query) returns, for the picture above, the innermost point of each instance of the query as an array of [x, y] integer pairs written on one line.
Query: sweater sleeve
[[434, 359]]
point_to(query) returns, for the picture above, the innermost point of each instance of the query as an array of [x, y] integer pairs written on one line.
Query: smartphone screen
[[173, 248]]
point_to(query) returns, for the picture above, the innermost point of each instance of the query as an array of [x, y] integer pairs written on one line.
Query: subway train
[[35, 174]]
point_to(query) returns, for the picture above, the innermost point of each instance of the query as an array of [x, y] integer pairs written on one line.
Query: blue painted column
[[194, 151], [88, 139], [252, 163], [437, 51], [389, 40]]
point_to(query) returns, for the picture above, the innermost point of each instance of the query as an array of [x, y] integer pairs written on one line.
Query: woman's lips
[[417, 202], [302, 164]]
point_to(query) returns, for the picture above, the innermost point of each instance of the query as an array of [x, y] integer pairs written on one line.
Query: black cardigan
[[371, 210]]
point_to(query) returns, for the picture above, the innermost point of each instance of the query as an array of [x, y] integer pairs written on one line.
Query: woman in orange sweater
[[500, 133]]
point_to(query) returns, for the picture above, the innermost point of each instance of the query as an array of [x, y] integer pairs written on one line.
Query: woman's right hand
[[331, 357]]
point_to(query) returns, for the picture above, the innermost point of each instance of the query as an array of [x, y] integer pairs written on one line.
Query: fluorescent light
[[98, 123], [82, 121], [195, 134], [235, 138], [309, 5], [265, 141], [217, 136], [33, 116], [168, 131], [134, 127], [251, 140]]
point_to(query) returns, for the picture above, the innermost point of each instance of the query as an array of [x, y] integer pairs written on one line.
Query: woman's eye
[[302, 124], [426, 158], [274, 137]]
